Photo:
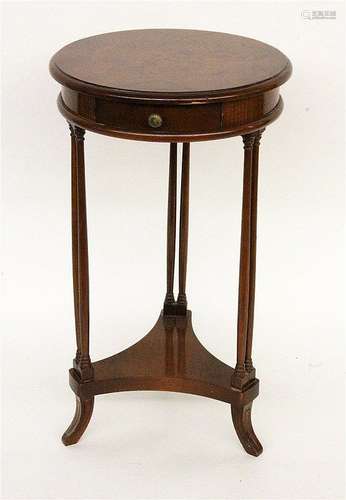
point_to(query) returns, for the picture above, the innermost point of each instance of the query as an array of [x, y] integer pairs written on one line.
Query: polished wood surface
[[80, 253], [241, 416], [184, 228], [169, 358], [169, 305], [176, 86], [172, 63], [180, 122], [253, 242], [80, 421], [202, 85]]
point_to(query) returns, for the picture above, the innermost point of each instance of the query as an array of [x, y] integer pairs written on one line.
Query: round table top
[[170, 63]]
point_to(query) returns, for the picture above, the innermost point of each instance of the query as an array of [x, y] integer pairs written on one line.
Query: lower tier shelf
[[169, 358]]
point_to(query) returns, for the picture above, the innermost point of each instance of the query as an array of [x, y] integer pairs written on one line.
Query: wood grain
[[176, 86], [169, 63], [80, 253], [171, 229], [169, 358]]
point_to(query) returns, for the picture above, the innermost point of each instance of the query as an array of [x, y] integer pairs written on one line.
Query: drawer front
[[159, 119], [152, 119]]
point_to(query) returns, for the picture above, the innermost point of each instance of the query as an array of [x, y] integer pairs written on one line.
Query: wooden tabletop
[[170, 63]]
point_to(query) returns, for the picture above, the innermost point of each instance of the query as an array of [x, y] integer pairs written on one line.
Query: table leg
[[184, 228], [244, 370], [81, 363], [171, 229], [247, 268], [253, 236], [244, 268]]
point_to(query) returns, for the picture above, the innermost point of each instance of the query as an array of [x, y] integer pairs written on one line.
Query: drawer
[[168, 122], [159, 119], [139, 117]]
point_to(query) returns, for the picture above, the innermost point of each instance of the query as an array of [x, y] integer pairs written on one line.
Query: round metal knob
[[155, 121]]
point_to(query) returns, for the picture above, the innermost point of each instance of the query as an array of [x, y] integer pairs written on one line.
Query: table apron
[[181, 122]]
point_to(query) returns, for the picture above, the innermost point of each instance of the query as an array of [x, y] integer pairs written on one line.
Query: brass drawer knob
[[155, 121]]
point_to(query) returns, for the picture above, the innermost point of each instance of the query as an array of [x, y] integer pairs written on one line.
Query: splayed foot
[[242, 423], [81, 419]]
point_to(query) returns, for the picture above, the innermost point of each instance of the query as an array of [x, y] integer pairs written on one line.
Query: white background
[[162, 445]]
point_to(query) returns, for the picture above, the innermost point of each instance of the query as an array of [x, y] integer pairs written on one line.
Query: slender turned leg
[[81, 363], [80, 254], [242, 423], [253, 235], [184, 227], [171, 229], [244, 370], [239, 378]]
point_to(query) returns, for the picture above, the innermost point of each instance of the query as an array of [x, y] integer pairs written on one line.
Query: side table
[[175, 86]]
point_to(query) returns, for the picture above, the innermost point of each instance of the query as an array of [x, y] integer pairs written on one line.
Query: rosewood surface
[[176, 86]]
